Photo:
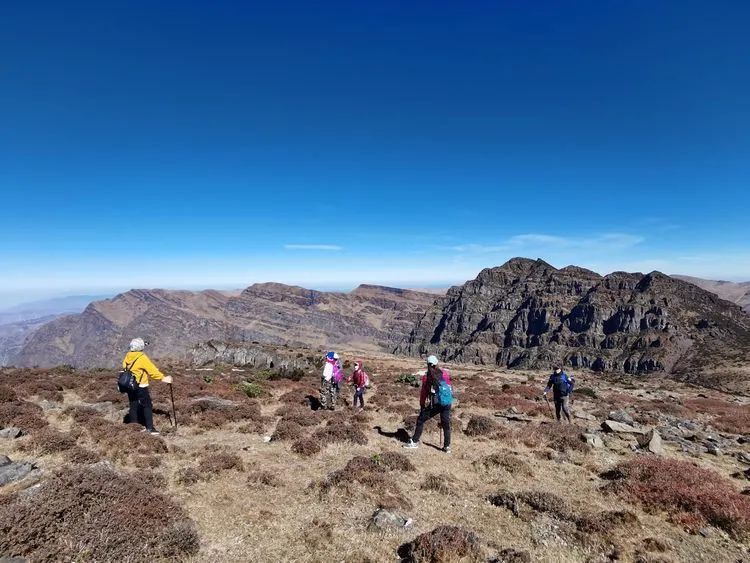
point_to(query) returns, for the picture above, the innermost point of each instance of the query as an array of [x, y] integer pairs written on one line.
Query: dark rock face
[[529, 314], [175, 321]]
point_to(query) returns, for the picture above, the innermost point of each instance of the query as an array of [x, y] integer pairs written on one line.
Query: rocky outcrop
[[736, 292], [175, 321], [247, 355], [528, 314]]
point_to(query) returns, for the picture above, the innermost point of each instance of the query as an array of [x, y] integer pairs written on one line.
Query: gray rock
[[583, 415], [6, 559], [743, 457], [619, 427], [713, 449], [621, 416], [651, 441], [12, 471], [385, 520], [593, 440], [11, 433]]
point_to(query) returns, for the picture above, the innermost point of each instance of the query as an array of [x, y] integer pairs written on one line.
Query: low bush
[[188, 476], [220, 461], [146, 461], [438, 483], [265, 478], [586, 392], [82, 456], [536, 500], [444, 543], [306, 447], [340, 433], [692, 496], [559, 437], [7, 394], [251, 389], [409, 379], [480, 426], [507, 462], [99, 522], [287, 430], [47, 441], [22, 414]]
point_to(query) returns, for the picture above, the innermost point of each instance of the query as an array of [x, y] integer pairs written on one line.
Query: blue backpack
[[443, 394]]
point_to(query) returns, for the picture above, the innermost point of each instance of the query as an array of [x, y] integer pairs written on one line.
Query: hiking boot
[[447, 449], [154, 432], [411, 445]]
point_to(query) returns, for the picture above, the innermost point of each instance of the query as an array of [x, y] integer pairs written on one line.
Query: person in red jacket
[[359, 379], [429, 406]]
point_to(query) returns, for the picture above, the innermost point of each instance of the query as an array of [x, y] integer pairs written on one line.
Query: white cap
[[432, 360], [335, 356], [137, 345]]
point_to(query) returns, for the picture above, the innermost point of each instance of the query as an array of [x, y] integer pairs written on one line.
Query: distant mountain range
[[736, 292], [371, 317]]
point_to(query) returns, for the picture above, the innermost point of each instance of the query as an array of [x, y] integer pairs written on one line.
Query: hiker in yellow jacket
[[143, 368]]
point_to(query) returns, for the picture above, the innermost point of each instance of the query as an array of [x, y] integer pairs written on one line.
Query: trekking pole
[[550, 406], [174, 412]]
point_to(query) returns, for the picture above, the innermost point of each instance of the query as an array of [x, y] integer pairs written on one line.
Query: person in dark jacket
[[562, 386], [430, 382]]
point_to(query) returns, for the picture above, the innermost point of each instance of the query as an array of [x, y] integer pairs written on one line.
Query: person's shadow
[[401, 434], [314, 402]]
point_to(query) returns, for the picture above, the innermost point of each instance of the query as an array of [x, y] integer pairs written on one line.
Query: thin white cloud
[[535, 242], [323, 247]]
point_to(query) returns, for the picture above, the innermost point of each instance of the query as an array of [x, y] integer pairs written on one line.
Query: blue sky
[[197, 144]]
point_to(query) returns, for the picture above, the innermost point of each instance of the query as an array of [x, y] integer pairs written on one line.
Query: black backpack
[[560, 385], [127, 381]]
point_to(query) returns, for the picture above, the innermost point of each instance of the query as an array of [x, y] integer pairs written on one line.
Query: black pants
[[359, 395], [445, 421], [561, 404], [141, 409]]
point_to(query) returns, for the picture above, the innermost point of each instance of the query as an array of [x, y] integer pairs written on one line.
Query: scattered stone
[[621, 416], [713, 449], [510, 555], [651, 441], [385, 520], [619, 427], [583, 415], [11, 433], [593, 440], [12, 471], [514, 417], [743, 457], [705, 532], [6, 559]]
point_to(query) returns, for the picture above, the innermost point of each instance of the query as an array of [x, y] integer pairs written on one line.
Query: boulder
[[384, 520], [651, 441], [619, 427], [621, 416], [12, 471], [11, 433], [593, 440], [713, 449], [583, 415]]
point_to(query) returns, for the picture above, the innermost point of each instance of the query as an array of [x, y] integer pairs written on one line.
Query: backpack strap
[[130, 368]]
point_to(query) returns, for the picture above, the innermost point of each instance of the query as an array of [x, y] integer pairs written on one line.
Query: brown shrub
[[537, 500], [508, 462], [692, 496], [99, 520], [22, 414], [298, 414], [118, 441], [81, 414], [306, 447], [606, 521], [286, 430], [340, 433], [438, 483], [47, 441], [480, 426], [395, 461], [444, 543], [220, 461], [82, 456], [524, 391], [188, 476], [370, 473], [146, 461], [7, 394], [734, 423], [559, 437], [264, 478], [209, 415]]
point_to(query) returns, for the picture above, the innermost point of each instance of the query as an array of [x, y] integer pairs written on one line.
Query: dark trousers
[[561, 404], [141, 408], [359, 395], [445, 421]]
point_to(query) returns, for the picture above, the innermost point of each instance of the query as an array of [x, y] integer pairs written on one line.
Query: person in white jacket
[[327, 387]]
